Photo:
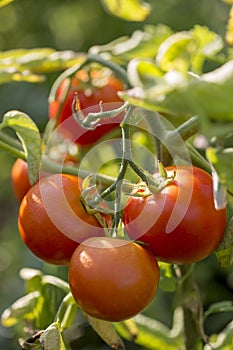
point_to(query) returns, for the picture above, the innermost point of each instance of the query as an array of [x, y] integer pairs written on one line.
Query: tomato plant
[[180, 224], [52, 220], [106, 212], [112, 279], [93, 87]]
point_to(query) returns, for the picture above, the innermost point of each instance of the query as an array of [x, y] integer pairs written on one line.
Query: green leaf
[[5, 2], [67, 311], [106, 332], [209, 44], [129, 10], [51, 338], [152, 334], [143, 72], [56, 282], [141, 44], [168, 282], [222, 160], [222, 306], [28, 273], [229, 31], [30, 65], [32, 278], [22, 308], [175, 52], [221, 341], [180, 93], [224, 251], [29, 135]]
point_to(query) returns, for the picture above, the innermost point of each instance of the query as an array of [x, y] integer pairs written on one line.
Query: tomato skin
[[52, 221], [112, 279], [19, 179], [89, 99], [196, 227]]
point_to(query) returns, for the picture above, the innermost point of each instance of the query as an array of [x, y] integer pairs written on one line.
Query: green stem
[[10, 140], [156, 127], [66, 312], [50, 166], [197, 158], [124, 165], [188, 298], [10, 145], [118, 70], [187, 129]]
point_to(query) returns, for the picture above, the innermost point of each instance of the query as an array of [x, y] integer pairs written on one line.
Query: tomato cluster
[[110, 278]]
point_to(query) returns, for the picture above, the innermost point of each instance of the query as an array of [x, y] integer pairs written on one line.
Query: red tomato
[[89, 98], [112, 279], [179, 224], [52, 220], [19, 179]]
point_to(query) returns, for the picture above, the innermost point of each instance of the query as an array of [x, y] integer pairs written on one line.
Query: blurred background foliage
[[77, 25]]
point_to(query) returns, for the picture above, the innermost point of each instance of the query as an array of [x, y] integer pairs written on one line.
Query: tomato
[[19, 179], [112, 279], [89, 98], [52, 220], [179, 224]]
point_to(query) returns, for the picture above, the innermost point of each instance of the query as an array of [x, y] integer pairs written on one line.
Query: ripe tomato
[[19, 179], [179, 224], [112, 279], [52, 220], [89, 98]]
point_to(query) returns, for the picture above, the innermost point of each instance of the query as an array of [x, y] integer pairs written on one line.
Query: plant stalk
[[188, 297]]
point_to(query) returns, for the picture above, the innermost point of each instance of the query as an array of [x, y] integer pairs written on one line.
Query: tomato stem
[[188, 297], [66, 312], [10, 145]]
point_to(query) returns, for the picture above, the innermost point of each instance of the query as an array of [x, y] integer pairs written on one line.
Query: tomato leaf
[[229, 31], [51, 338], [32, 278], [29, 135], [141, 44], [152, 334], [224, 251], [30, 65], [180, 93], [176, 52], [107, 332], [56, 282], [22, 308], [5, 2], [222, 306], [129, 10], [222, 160], [222, 341], [188, 49], [168, 282]]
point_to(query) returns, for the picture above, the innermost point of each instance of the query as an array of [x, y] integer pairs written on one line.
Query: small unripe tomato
[[112, 279]]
